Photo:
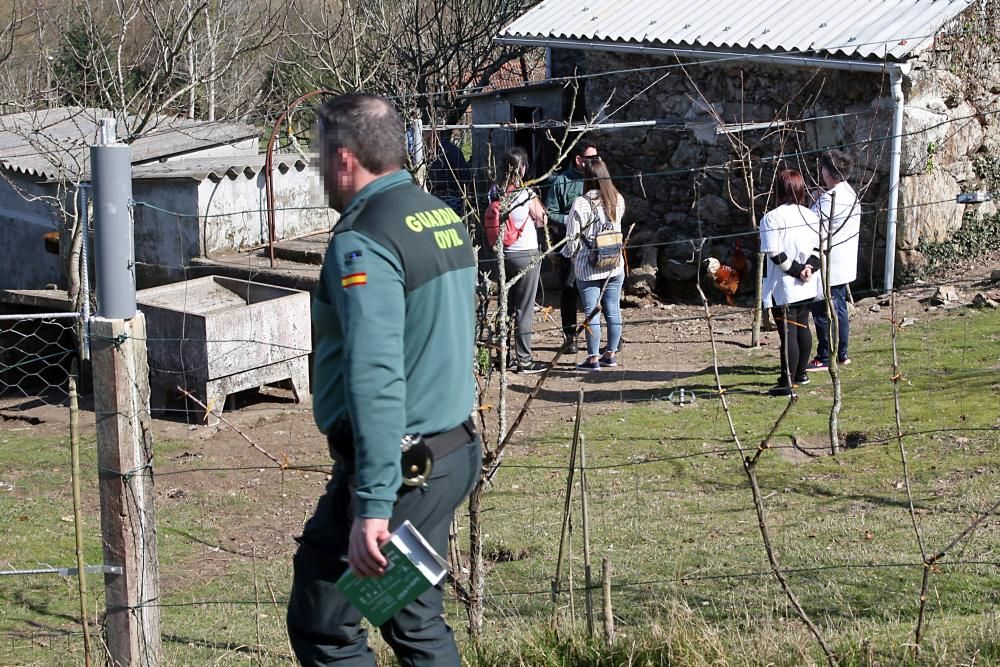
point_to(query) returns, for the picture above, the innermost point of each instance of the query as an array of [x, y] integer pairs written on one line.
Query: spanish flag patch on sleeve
[[354, 279]]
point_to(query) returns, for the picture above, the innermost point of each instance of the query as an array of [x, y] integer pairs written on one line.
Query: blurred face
[[334, 170], [582, 159]]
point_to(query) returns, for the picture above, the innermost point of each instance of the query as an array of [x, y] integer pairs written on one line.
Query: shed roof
[[55, 143], [217, 168], [853, 29]]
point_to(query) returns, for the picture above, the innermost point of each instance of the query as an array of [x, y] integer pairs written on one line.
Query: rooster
[[727, 277]]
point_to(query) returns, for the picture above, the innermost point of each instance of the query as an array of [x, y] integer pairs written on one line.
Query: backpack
[[606, 246], [491, 222]]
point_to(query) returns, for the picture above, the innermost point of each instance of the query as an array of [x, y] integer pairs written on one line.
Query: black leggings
[[796, 339]]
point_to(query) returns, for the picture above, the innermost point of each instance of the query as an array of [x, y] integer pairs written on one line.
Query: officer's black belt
[[341, 440], [444, 443]]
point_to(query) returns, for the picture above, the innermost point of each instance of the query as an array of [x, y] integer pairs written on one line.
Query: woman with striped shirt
[[600, 209]]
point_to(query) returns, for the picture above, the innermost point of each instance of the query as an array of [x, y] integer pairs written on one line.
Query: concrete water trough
[[215, 336]]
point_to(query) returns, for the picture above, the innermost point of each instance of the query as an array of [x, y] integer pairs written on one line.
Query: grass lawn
[[669, 506]]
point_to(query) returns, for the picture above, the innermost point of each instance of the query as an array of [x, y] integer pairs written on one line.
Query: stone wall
[[694, 176], [951, 130]]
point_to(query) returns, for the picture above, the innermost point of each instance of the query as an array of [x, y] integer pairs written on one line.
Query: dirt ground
[[215, 471]]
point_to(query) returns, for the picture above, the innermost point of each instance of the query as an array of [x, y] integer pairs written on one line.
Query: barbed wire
[[964, 370], [762, 159], [681, 579]]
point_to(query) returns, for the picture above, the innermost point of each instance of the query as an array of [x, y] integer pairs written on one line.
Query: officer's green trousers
[[324, 628]]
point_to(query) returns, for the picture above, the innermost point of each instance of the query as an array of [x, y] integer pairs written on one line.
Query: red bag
[[491, 222]]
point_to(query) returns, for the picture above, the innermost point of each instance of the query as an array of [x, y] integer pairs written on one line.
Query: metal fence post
[[417, 150], [83, 220], [111, 166]]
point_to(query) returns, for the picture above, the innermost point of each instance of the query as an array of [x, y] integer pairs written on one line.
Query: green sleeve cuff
[[374, 509]]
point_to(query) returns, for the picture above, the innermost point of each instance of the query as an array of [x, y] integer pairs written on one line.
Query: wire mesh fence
[[36, 355], [39, 360], [668, 504], [903, 519]]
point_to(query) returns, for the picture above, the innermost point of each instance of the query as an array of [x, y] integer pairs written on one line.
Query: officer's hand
[[363, 554]]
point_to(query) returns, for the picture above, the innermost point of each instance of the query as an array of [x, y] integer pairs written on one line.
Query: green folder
[[413, 567]]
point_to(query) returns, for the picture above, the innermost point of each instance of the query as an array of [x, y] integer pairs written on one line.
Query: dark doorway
[[525, 137]]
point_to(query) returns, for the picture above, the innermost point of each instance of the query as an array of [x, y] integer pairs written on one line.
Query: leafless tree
[[429, 54], [12, 17], [336, 44], [144, 58], [447, 47], [16, 23]]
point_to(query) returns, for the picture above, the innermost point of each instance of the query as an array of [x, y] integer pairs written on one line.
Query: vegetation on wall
[[974, 239]]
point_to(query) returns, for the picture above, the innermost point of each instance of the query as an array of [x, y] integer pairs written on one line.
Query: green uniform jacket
[[393, 321], [565, 187]]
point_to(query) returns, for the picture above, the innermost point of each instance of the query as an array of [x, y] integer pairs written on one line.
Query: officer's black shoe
[[571, 347]]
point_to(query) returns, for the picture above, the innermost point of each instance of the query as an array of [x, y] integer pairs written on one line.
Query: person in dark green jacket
[[565, 188], [393, 321]]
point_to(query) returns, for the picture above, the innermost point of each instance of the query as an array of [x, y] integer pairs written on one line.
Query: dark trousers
[[568, 299], [838, 295], [324, 628], [521, 300], [796, 340]]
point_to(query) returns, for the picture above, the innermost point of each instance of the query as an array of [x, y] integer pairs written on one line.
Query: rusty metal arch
[[269, 165]]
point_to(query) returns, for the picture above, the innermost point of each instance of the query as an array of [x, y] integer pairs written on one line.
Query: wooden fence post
[[609, 614], [588, 578], [567, 506], [125, 461]]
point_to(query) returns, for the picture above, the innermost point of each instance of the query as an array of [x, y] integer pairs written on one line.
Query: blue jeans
[[590, 290], [838, 293]]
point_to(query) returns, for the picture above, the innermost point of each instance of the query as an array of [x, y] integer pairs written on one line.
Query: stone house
[[909, 88]]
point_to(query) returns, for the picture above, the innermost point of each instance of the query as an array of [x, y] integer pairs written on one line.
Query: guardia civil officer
[[393, 324]]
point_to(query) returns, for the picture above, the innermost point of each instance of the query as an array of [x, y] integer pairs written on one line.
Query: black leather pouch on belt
[[417, 452]]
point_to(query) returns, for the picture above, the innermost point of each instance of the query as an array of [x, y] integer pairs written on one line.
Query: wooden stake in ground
[[588, 579], [609, 615], [567, 503], [125, 460], [74, 447]]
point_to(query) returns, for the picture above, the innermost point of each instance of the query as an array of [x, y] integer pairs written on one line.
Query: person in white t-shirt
[[839, 214], [527, 214], [793, 282]]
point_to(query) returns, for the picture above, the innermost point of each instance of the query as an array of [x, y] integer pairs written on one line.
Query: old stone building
[[909, 88]]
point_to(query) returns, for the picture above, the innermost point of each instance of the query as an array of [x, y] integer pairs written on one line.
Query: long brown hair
[[597, 177]]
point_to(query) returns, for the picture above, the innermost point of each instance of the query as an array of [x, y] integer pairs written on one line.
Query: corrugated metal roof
[[55, 143], [217, 168], [853, 29]]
